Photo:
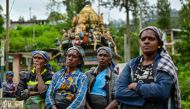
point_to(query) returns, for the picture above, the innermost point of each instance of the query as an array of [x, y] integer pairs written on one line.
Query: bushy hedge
[[33, 37]]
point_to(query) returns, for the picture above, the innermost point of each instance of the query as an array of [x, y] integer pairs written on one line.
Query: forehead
[[77, 37], [148, 32], [9, 76], [103, 52], [72, 51], [38, 55]]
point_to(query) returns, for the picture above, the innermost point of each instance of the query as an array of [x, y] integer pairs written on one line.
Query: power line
[[12, 6]]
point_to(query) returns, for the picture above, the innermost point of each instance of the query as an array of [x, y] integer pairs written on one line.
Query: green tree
[[127, 5], [17, 42], [175, 21], [182, 58], [183, 45], [185, 15], [140, 13], [139, 10], [163, 14], [1, 20], [21, 19], [55, 65], [135, 44], [21, 39], [34, 18], [117, 30], [56, 17], [72, 6]]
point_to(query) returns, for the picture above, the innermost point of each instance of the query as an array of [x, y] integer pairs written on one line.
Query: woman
[[8, 86], [102, 80], [150, 80], [69, 85], [33, 84]]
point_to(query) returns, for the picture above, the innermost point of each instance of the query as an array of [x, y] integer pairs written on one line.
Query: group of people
[[146, 82]]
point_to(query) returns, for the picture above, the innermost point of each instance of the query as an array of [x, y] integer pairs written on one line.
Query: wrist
[[137, 89]]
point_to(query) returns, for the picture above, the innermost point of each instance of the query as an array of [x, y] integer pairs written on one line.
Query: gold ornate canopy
[[88, 14], [89, 26], [87, 18]]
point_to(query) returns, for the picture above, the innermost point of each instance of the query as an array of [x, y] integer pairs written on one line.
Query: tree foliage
[[138, 9], [72, 6], [55, 65], [163, 14], [23, 38], [117, 32], [117, 29], [56, 17], [21, 19], [185, 15], [1, 20], [182, 47], [128, 6], [142, 12], [184, 80]]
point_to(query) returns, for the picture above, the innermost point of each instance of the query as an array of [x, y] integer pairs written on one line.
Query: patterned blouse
[[144, 74], [73, 86]]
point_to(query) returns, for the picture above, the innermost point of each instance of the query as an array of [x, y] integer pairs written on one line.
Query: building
[[171, 36], [14, 24]]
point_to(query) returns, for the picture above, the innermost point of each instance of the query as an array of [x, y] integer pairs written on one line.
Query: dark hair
[[160, 42], [82, 62]]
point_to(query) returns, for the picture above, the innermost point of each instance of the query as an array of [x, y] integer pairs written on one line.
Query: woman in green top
[[33, 84]]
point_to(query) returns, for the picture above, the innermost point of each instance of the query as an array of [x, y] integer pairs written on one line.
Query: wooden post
[[7, 36]]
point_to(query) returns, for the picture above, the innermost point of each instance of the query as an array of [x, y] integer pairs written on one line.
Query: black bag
[[97, 101], [61, 102]]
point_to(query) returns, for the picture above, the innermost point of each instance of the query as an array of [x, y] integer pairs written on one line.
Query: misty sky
[[38, 8]]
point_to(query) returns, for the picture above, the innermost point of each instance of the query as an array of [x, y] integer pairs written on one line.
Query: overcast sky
[[38, 8]]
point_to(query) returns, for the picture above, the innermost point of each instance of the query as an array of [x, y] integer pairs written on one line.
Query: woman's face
[[9, 78], [73, 59], [103, 58], [38, 61], [149, 42]]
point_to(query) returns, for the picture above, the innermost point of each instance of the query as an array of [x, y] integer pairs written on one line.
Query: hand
[[112, 105], [53, 107], [10, 92], [132, 86], [87, 105]]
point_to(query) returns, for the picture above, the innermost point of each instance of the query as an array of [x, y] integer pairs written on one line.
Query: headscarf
[[166, 64], [44, 54], [158, 32], [80, 51], [9, 73], [109, 51]]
